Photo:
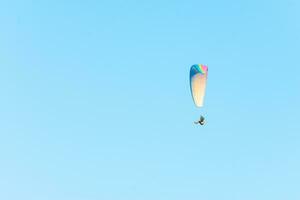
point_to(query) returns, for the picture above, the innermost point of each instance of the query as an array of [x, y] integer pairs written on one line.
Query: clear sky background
[[95, 100]]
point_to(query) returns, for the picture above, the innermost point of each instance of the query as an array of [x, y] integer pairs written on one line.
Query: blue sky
[[95, 100]]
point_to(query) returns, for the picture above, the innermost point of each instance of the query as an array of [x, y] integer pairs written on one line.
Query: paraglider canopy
[[198, 77]]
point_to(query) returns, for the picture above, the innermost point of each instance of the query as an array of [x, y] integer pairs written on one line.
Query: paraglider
[[198, 77]]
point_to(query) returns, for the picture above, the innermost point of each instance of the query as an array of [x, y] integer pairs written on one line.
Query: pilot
[[201, 121]]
